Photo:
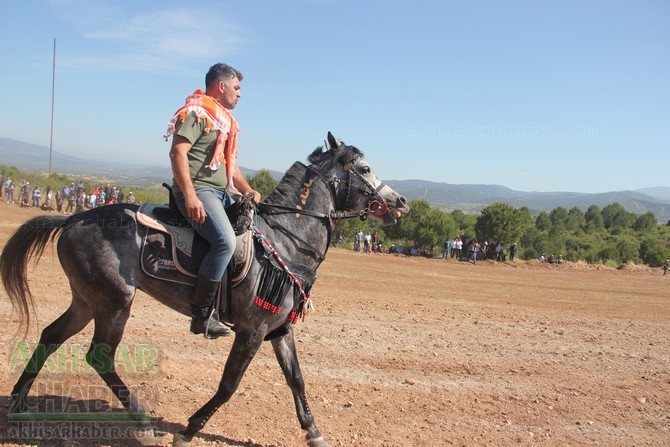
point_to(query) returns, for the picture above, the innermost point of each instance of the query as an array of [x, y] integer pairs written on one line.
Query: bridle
[[375, 205]]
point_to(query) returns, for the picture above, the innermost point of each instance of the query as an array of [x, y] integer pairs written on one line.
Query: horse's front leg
[[285, 351], [242, 352]]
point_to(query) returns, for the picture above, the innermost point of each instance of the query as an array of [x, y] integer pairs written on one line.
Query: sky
[[532, 95]]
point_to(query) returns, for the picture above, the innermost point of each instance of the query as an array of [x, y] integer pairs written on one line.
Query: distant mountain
[[660, 192], [35, 158], [472, 198], [468, 198]]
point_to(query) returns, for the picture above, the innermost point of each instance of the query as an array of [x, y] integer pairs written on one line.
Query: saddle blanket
[[174, 253]]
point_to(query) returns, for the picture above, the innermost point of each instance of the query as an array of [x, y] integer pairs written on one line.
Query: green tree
[[525, 217], [464, 222], [543, 221], [575, 220], [646, 223], [652, 252], [628, 248], [499, 222], [263, 182], [616, 215], [405, 231], [558, 215], [530, 243], [594, 220], [556, 239], [434, 226]]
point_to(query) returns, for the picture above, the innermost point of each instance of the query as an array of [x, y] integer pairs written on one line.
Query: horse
[[99, 251]]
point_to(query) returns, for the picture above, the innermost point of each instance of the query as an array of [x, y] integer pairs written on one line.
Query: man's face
[[230, 93]]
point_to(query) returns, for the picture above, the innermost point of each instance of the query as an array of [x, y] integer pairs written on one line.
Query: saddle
[[173, 251]]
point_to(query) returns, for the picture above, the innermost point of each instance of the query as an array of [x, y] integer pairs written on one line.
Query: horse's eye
[[365, 170]]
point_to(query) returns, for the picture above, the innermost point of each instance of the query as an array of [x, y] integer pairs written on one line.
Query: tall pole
[[53, 90]]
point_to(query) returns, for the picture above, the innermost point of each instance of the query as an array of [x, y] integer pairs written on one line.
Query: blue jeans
[[216, 229]]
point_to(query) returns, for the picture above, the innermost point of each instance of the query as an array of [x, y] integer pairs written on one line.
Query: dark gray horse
[[99, 251]]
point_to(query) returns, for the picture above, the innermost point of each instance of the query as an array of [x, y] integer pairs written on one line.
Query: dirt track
[[401, 352]]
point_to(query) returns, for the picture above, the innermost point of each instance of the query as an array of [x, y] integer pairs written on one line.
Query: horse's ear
[[332, 142]]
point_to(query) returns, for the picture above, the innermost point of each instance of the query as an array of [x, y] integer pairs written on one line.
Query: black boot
[[201, 308]]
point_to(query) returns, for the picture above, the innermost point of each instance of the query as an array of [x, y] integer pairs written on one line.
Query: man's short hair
[[221, 72]]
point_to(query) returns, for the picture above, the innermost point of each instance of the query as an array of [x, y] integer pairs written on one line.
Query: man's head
[[222, 82]]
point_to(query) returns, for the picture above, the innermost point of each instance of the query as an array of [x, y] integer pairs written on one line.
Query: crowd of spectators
[[70, 199], [367, 242], [464, 248]]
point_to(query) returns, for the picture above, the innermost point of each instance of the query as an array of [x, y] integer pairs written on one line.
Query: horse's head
[[357, 186]]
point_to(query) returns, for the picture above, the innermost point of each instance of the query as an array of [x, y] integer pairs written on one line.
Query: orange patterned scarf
[[218, 118]]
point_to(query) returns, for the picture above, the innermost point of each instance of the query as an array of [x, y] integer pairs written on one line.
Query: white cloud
[[114, 39]]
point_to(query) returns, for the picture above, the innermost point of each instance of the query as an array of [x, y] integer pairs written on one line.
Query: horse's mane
[[288, 185], [294, 177], [326, 159]]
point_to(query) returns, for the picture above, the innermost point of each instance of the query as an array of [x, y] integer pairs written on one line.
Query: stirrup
[[210, 327]]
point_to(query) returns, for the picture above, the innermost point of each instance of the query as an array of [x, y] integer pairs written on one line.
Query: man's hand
[[255, 196], [195, 209]]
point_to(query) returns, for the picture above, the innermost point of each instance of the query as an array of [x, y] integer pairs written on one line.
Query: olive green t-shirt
[[193, 129]]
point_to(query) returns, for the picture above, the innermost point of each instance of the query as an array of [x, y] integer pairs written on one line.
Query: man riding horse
[[205, 137]]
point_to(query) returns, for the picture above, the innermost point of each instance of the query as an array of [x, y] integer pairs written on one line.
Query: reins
[[371, 192]]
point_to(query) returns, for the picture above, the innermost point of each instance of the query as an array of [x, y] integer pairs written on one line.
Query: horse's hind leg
[[73, 320], [109, 326], [284, 348]]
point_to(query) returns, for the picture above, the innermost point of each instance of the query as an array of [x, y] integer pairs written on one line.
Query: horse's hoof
[[145, 436], [17, 404], [317, 442], [180, 441]]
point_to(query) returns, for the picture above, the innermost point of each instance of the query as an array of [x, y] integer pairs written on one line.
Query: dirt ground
[[400, 352]]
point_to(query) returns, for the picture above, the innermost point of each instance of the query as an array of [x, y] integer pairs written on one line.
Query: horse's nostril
[[403, 200]]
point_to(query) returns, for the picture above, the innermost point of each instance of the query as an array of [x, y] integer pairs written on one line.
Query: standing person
[[130, 198], [202, 155], [10, 196], [92, 200], [512, 251], [367, 239], [59, 201], [500, 252], [49, 195], [7, 185], [445, 250], [485, 250], [665, 266], [358, 240], [80, 201], [37, 195], [459, 248], [71, 202], [474, 246], [66, 192], [25, 193]]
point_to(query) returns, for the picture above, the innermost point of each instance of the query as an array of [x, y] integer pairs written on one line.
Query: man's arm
[[182, 175]]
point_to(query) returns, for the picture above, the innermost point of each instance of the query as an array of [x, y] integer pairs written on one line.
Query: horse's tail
[[29, 241]]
